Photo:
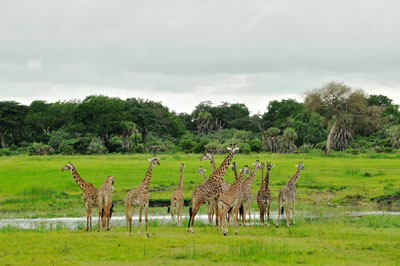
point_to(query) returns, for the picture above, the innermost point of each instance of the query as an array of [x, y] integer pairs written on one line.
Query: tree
[[272, 139], [279, 111], [12, 116], [343, 110]]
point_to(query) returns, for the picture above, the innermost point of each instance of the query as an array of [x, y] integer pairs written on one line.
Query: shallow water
[[75, 223]]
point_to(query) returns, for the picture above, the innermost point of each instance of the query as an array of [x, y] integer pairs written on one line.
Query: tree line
[[333, 117]]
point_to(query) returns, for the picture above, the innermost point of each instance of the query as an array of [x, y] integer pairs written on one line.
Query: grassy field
[[372, 240], [35, 186]]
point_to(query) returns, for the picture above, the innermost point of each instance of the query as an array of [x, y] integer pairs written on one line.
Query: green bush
[[187, 145], [256, 145], [306, 148], [7, 152], [39, 149], [201, 145], [244, 148], [96, 146], [67, 150]]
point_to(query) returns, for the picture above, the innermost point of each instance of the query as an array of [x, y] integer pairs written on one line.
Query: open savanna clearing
[[35, 186]]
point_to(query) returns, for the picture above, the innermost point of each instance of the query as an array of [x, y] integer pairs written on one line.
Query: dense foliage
[[332, 117]]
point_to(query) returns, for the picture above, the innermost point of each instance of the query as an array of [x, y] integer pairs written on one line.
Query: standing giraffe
[[178, 198], [208, 156], [225, 186], [210, 203], [210, 189], [139, 197], [104, 202], [288, 194], [246, 193], [89, 193], [264, 194], [229, 202]]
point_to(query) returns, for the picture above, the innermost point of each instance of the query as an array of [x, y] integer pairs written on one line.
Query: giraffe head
[[201, 170], [246, 169], [68, 166], [110, 179], [257, 164], [233, 148], [154, 160], [233, 166], [300, 166], [182, 167], [206, 156], [269, 166]]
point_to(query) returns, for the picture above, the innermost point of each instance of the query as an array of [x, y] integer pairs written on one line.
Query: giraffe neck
[[81, 183], [235, 173], [262, 177], [204, 176], [267, 178], [147, 178], [252, 175], [212, 164], [220, 173], [180, 180], [293, 180], [238, 181]]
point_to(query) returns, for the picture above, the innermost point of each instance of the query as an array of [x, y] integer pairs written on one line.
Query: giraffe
[[139, 197], [210, 189], [225, 186], [288, 194], [178, 198], [208, 156], [264, 194], [246, 194], [210, 203], [229, 202], [89, 193], [104, 202], [233, 166]]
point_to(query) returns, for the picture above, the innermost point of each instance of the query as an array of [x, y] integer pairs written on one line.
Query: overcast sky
[[185, 52]]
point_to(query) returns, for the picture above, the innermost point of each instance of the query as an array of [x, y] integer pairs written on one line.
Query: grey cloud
[[268, 48]]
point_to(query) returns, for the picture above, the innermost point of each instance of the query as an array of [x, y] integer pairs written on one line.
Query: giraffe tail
[[111, 209], [282, 210], [169, 208]]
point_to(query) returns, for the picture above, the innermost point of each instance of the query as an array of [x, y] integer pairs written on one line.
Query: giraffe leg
[[268, 206], [140, 218], [279, 213], [146, 220], [287, 213], [108, 217], [88, 217], [261, 208], [212, 203], [172, 210], [216, 213], [180, 213], [98, 220], [293, 213], [129, 213], [243, 214], [249, 210], [235, 217], [194, 212]]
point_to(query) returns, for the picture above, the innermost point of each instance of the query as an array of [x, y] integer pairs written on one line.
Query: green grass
[[35, 186], [336, 241]]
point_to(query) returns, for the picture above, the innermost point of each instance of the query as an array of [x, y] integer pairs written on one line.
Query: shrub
[[7, 152], [256, 145], [39, 149], [97, 146], [187, 145], [67, 150], [306, 148], [200, 146], [244, 148]]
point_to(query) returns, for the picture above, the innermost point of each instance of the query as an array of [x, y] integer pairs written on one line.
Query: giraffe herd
[[225, 201]]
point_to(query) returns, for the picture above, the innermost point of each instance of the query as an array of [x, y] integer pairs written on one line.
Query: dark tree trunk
[[3, 144], [329, 139]]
